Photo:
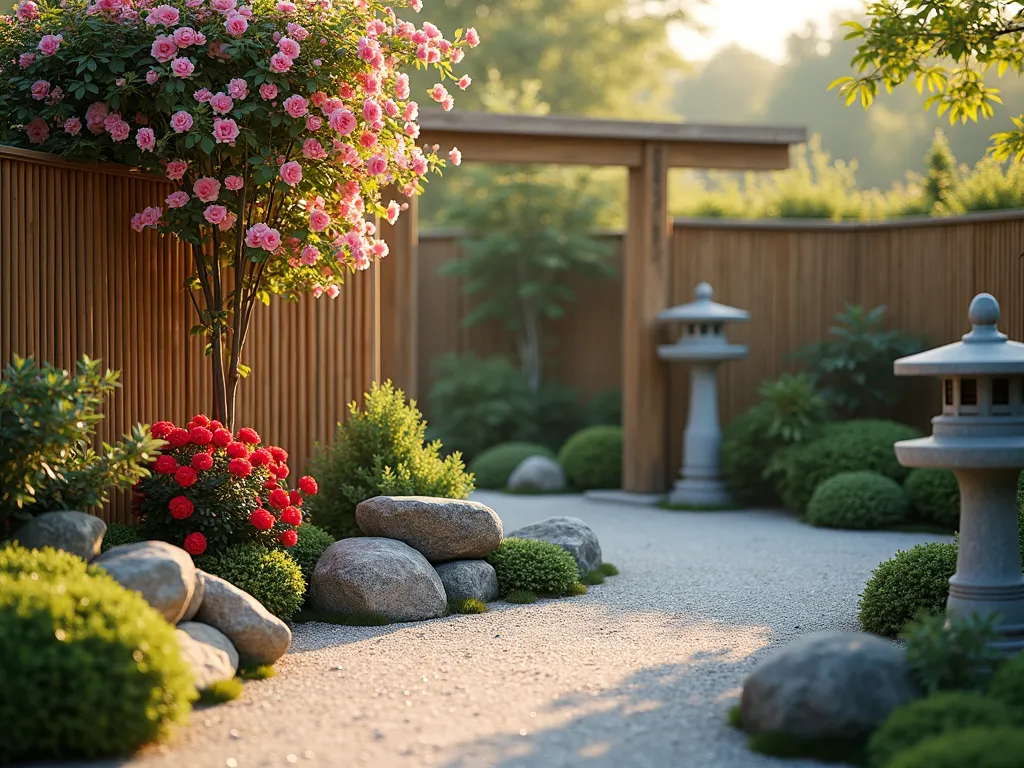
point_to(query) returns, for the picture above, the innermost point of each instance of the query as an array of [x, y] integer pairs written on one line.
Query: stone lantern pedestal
[[704, 346], [980, 437]]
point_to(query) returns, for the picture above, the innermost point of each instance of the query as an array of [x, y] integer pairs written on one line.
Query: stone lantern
[[980, 437], [704, 346]]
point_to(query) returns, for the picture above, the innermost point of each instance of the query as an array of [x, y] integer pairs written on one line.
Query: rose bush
[[211, 489], [285, 127]]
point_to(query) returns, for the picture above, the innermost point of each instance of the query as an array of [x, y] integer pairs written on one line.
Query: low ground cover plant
[[534, 566]]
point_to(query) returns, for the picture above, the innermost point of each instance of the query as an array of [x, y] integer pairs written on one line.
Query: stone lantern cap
[[983, 351], [703, 338], [703, 310]]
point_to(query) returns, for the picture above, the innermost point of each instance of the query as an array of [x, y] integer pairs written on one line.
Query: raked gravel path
[[638, 673]]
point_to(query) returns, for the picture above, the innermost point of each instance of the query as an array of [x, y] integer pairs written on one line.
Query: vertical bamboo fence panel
[[75, 279]]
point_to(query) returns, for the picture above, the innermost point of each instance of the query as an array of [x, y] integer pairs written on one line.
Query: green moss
[[608, 569], [118, 534], [983, 747], [307, 615], [491, 469], [935, 496], [858, 501], [467, 605], [576, 590], [824, 750], [521, 596], [537, 566], [269, 575], [256, 671], [735, 716], [221, 692], [593, 578], [592, 458], [915, 579]]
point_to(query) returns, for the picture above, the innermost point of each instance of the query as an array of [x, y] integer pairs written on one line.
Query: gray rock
[[209, 652], [440, 529], [537, 473], [571, 534], [197, 599], [162, 573], [74, 532], [258, 635], [827, 685], [464, 579], [374, 575]]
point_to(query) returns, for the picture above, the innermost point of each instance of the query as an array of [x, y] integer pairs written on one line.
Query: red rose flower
[[270, 484], [281, 470], [238, 450], [195, 543], [247, 435], [202, 462], [215, 425], [295, 498], [239, 467], [261, 519], [161, 429], [181, 508], [165, 465], [260, 457], [221, 437], [292, 516], [288, 538], [178, 438], [279, 454], [308, 485], [200, 435], [278, 498], [200, 420], [185, 476]]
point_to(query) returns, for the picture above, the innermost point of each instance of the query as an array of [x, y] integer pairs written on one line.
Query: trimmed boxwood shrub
[[89, 668], [912, 580], [312, 543], [933, 716], [269, 575], [592, 458], [1007, 684], [935, 496], [534, 566], [851, 446], [118, 534], [745, 456], [982, 747], [859, 501], [491, 469]]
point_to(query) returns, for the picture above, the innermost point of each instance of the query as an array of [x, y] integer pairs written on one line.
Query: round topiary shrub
[[592, 458], [491, 469], [312, 543], [912, 580], [118, 534], [269, 575], [933, 716], [1007, 684], [851, 446], [981, 747], [935, 496], [858, 501], [89, 668], [534, 566]]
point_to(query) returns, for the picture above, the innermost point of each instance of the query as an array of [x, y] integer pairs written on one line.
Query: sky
[[746, 23]]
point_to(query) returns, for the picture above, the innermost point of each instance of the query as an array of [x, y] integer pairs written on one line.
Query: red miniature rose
[[292, 516], [308, 485], [165, 464], [278, 498], [295, 498], [200, 420], [238, 450], [279, 454], [221, 437], [260, 457], [200, 435], [161, 429], [239, 467], [181, 508], [288, 538], [247, 435], [195, 543], [281, 470], [202, 462], [178, 438], [261, 519], [185, 476]]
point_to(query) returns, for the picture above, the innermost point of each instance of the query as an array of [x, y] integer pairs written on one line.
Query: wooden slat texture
[[75, 279]]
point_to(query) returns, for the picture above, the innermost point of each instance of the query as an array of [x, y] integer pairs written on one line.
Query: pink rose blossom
[[268, 91], [164, 15], [392, 212], [456, 156], [329, 105], [223, 6], [319, 220], [203, 95], [221, 103], [152, 76], [236, 25], [228, 223], [318, 291], [271, 240], [297, 31], [246, 11], [317, 62], [238, 88], [111, 120], [27, 11], [438, 92], [177, 199], [215, 214], [26, 59], [280, 63], [309, 255], [342, 121], [49, 44], [254, 235], [447, 103], [206, 189], [472, 37], [40, 90], [367, 139], [291, 173], [412, 110], [296, 106], [149, 217], [313, 149], [333, 291], [184, 37], [390, 108], [412, 130], [182, 67], [145, 139], [465, 81], [176, 169], [286, 7], [120, 130], [402, 86], [38, 131], [289, 47], [181, 121], [72, 125], [458, 55], [224, 131], [371, 111], [234, 183], [313, 123], [377, 165], [163, 49]]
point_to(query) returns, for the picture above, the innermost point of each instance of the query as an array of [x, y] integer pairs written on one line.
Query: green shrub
[[935, 496], [952, 653], [605, 409], [269, 575], [312, 543], [521, 597], [536, 566], [89, 668], [1007, 684], [48, 461], [577, 589], [592, 458], [380, 451], [933, 716], [986, 747], [593, 578], [858, 501], [607, 569], [467, 605], [118, 534], [491, 469], [913, 580], [850, 446], [221, 691]]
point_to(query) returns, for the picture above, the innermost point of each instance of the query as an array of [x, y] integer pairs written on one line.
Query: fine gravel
[[638, 673]]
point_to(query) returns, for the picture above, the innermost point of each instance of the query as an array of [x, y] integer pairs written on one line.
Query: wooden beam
[[562, 150], [647, 282], [399, 283], [737, 157]]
